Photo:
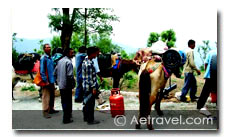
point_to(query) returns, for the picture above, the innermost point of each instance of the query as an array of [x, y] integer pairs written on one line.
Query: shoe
[[85, 120], [46, 115], [67, 121], [205, 112], [183, 99], [93, 122], [53, 111], [78, 100], [102, 102], [194, 99]]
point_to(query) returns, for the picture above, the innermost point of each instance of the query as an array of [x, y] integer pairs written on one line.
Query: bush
[[29, 88], [130, 78]]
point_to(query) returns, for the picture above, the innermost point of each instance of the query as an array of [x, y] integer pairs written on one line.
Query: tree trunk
[[67, 29], [85, 27]]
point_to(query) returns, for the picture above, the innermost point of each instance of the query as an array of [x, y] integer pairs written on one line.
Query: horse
[[24, 68], [119, 70], [153, 77]]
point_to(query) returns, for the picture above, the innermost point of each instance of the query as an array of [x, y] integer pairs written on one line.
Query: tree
[[93, 20], [169, 36], [203, 50], [15, 54], [66, 23], [41, 50], [76, 41], [97, 20], [55, 42], [153, 37]]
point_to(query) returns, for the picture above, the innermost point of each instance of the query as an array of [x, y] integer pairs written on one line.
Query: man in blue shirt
[[210, 78], [48, 91], [79, 59]]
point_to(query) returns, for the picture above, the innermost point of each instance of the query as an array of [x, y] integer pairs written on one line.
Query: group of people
[[59, 70], [190, 80]]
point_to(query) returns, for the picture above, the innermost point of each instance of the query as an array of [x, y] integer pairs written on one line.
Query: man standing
[[65, 78], [210, 80], [79, 59], [48, 91], [90, 86], [189, 68]]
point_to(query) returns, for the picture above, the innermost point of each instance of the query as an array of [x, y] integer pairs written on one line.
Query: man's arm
[[192, 63], [43, 68]]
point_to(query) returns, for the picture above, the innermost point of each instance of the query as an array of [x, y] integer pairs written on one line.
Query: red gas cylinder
[[116, 102], [213, 97]]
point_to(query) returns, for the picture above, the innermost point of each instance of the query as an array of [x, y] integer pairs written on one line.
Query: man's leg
[[193, 88], [45, 101], [79, 92], [186, 87], [65, 105], [52, 97], [204, 94]]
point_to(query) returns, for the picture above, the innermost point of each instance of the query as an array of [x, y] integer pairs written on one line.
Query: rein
[[166, 71]]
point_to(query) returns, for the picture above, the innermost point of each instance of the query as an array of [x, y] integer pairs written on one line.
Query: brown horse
[[152, 81], [123, 67]]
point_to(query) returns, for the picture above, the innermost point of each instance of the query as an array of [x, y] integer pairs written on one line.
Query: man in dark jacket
[[65, 79]]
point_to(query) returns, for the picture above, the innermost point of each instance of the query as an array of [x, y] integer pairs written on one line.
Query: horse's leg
[[116, 81], [14, 82], [151, 102], [138, 125], [158, 100], [31, 75]]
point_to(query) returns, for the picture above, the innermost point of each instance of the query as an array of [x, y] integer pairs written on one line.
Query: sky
[[135, 25]]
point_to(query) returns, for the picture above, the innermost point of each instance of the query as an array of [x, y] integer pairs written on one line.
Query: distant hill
[[28, 45]]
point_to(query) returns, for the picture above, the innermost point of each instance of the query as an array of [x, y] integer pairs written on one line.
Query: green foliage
[[84, 21], [124, 55], [15, 54], [105, 84], [203, 50], [55, 42], [29, 88], [169, 36], [76, 42], [40, 51], [130, 78], [153, 37], [104, 43]]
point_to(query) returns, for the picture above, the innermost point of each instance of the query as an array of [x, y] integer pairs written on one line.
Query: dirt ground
[[28, 100]]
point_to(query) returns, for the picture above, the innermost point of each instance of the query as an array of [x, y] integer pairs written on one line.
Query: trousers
[[48, 97], [189, 83], [66, 101]]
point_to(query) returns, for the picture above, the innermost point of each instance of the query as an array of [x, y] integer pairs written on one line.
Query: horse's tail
[[144, 89]]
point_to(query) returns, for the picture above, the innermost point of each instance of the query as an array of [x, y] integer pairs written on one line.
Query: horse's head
[[128, 65], [172, 62]]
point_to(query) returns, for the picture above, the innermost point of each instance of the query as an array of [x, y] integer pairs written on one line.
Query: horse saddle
[[106, 61], [171, 59], [26, 62]]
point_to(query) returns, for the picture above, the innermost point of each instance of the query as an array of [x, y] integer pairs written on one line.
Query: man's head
[[97, 50], [92, 52], [82, 49], [47, 49], [191, 44], [69, 52]]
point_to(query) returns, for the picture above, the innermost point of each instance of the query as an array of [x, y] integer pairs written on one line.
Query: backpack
[[38, 80]]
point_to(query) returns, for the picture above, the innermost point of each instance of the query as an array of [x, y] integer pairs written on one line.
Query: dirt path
[[28, 100]]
